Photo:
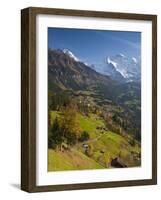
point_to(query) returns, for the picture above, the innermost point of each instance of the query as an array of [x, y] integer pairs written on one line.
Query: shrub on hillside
[[84, 136]]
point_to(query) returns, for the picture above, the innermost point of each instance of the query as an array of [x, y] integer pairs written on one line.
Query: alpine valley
[[94, 112]]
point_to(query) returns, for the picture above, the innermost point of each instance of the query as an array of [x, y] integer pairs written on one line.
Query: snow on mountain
[[122, 55], [86, 63], [118, 67], [121, 71], [71, 55], [128, 68], [112, 62], [134, 60], [68, 52]]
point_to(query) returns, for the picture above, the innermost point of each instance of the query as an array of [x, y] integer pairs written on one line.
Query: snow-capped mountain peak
[[116, 67], [69, 53], [119, 66], [134, 60], [128, 68], [109, 61]]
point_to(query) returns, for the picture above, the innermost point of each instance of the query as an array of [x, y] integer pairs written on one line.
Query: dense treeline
[[58, 100], [66, 128]]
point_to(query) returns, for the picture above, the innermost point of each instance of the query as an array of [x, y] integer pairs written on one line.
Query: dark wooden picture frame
[[28, 98]]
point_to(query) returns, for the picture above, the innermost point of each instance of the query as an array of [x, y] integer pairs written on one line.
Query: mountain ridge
[[77, 74]]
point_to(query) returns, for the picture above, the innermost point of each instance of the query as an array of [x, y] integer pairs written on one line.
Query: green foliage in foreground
[[65, 128], [84, 136], [70, 160], [103, 146]]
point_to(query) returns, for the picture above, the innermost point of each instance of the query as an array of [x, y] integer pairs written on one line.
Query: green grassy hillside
[[70, 160], [103, 145]]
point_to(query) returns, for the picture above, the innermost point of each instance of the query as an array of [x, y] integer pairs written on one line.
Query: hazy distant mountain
[[111, 70], [121, 68]]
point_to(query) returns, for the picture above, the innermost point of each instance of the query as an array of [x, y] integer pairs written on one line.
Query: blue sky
[[93, 46]]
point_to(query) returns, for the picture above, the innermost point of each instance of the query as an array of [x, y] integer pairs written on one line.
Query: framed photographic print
[[89, 99]]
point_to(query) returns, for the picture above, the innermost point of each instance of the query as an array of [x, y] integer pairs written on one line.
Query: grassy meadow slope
[[70, 160], [103, 145]]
